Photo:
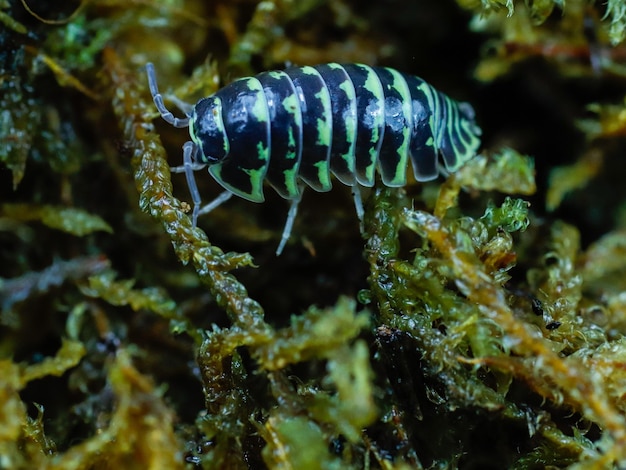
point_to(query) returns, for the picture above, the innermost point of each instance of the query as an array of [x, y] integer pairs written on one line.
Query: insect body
[[300, 126]]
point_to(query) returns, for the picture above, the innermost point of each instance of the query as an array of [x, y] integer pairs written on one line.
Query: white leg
[[189, 166], [183, 168], [291, 217], [189, 153], [358, 204], [223, 197]]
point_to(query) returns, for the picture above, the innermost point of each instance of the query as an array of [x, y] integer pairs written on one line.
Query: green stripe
[[373, 85], [400, 85], [350, 121]]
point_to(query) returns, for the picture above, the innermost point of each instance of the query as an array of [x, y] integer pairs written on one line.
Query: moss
[[484, 307]]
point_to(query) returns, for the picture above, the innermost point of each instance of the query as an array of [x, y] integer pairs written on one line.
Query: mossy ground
[[478, 323]]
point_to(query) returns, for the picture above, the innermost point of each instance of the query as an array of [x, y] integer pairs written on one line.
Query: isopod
[[297, 127]]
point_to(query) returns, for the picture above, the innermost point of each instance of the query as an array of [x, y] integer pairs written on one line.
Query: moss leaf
[[75, 221]]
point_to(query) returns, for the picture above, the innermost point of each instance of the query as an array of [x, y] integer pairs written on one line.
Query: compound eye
[[207, 130]]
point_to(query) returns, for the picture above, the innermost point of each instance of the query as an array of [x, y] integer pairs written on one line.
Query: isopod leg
[[189, 153], [189, 166], [223, 197], [183, 168], [291, 217], [358, 205]]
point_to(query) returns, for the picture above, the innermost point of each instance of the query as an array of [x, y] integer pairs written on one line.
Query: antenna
[[158, 100]]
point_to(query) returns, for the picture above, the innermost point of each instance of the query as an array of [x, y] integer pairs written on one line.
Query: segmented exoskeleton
[[298, 126]]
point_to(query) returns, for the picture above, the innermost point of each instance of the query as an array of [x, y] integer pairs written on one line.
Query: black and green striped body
[[305, 124]]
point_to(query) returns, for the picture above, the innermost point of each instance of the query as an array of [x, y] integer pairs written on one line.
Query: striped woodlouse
[[300, 125]]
